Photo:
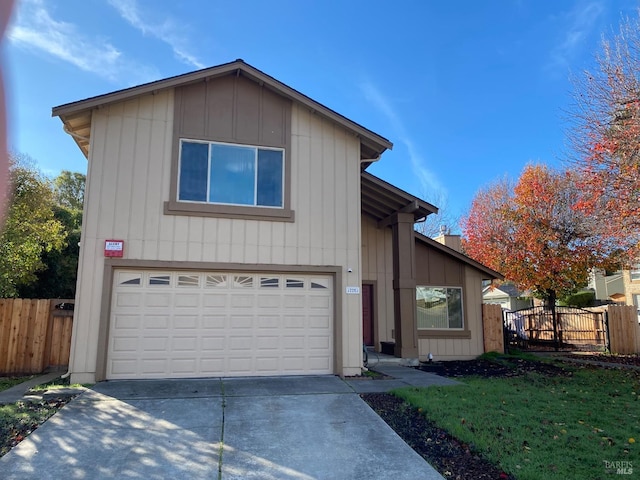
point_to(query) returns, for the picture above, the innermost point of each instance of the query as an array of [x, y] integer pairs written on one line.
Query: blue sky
[[467, 90]]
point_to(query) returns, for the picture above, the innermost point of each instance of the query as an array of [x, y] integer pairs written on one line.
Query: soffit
[[381, 199]]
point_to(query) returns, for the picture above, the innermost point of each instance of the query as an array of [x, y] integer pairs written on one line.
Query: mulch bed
[[452, 458]]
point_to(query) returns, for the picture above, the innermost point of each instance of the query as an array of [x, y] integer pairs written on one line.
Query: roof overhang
[[489, 273], [382, 200], [76, 116]]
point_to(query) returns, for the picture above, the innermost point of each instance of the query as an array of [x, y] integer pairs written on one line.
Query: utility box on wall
[[113, 248]]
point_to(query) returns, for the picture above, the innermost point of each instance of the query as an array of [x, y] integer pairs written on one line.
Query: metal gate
[[575, 328]]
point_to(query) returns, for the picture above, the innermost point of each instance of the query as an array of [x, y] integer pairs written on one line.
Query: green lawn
[[539, 427], [8, 382]]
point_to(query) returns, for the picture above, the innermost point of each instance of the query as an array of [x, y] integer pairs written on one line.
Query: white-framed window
[[439, 307], [635, 272], [229, 174]]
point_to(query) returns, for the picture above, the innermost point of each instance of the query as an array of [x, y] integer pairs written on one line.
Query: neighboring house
[[608, 288], [230, 229], [622, 286], [507, 295]]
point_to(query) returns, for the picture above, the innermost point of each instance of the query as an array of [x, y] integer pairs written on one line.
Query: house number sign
[[113, 248], [353, 290]]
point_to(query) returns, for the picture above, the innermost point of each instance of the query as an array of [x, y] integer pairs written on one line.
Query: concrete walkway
[[17, 392], [281, 428]]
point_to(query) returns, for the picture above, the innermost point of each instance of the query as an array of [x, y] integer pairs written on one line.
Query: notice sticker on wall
[[113, 248]]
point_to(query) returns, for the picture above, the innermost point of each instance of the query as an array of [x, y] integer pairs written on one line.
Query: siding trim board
[[111, 265]]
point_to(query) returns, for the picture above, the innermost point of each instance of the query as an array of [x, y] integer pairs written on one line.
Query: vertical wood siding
[[377, 265], [128, 182], [461, 348]]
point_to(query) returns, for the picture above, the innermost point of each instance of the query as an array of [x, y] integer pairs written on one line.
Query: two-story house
[[231, 229]]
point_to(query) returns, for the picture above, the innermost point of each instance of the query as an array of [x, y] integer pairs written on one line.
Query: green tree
[[58, 278], [30, 228], [69, 190]]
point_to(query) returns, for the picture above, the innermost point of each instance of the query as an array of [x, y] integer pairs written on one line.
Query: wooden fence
[[624, 331], [34, 335], [492, 328]]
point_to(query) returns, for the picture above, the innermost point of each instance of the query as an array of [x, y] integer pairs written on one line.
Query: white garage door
[[198, 324]]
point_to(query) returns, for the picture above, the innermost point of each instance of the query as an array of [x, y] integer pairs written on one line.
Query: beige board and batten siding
[[377, 267], [448, 347], [437, 269], [128, 182]]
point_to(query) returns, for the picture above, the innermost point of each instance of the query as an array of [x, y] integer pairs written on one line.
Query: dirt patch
[[633, 360]]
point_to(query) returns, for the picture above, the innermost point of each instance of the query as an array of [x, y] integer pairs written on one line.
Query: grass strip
[[536, 426], [8, 382]]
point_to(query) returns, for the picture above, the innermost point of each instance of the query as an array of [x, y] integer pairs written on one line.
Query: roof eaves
[[376, 142], [397, 191]]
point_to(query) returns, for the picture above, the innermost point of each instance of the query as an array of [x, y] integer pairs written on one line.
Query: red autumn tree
[[532, 233], [606, 135]]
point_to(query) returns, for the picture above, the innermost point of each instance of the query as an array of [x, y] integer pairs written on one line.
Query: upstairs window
[[226, 174]]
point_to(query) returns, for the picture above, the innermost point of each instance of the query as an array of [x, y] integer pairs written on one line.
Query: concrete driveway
[[268, 428]]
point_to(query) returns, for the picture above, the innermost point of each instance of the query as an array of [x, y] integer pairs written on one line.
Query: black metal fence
[[562, 327]]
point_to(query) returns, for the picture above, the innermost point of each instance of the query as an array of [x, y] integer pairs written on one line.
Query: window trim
[[447, 330], [247, 212]]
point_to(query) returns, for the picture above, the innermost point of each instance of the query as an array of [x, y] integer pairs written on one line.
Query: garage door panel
[[213, 344], [156, 322], [185, 322], [320, 322], [295, 301], [127, 322], [128, 299], [214, 299], [242, 301], [163, 300], [154, 344], [184, 301], [154, 367], [184, 344], [192, 324], [125, 344], [214, 321]]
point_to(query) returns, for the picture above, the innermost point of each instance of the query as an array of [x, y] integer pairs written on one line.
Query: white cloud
[[167, 31], [577, 25], [34, 28], [429, 183]]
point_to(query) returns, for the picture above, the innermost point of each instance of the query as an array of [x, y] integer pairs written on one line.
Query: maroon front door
[[367, 314]]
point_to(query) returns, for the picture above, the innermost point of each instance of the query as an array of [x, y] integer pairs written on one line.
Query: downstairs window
[[439, 308]]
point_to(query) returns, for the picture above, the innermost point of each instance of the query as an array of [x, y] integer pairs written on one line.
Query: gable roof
[[381, 199], [76, 116], [491, 274]]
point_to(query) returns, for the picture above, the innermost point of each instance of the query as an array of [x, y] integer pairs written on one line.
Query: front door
[[367, 314]]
